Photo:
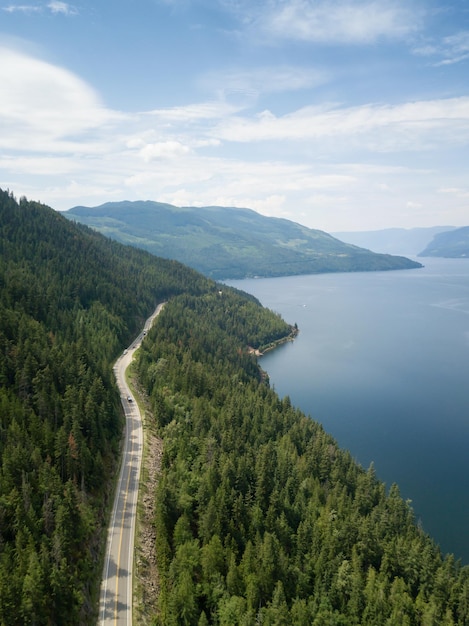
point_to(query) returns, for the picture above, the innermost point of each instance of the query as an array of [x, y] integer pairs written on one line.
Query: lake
[[382, 361]]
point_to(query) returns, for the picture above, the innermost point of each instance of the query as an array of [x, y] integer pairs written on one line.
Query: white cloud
[[339, 21], [60, 144], [163, 150], [244, 85], [450, 50], [41, 165], [206, 143], [457, 192], [387, 127], [456, 48], [62, 7], [22, 8], [45, 107], [193, 112], [55, 7]]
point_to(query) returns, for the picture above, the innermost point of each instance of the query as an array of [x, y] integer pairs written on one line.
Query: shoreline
[[258, 352]]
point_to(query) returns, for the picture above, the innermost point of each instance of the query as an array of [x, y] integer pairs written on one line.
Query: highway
[[115, 603]]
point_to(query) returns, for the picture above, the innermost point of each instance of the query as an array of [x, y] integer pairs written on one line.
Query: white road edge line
[[111, 529]]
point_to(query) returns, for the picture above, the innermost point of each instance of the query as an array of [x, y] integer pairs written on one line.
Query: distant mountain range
[[226, 242], [406, 241], [439, 241], [452, 244]]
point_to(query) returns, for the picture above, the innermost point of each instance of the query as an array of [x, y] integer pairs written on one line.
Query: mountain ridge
[[229, 242], [406, 241], [453, 244]]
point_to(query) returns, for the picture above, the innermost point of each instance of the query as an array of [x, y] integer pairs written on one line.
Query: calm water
[[382, 361]]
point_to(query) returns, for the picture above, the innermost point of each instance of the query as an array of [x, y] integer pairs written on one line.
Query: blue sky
[[340, 115]]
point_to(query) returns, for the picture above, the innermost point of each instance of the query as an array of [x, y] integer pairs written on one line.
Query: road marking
[[124, 508], [112, 529], [111, 532], [132, 424]]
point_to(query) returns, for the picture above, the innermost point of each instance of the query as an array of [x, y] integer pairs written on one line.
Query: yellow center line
[[118, 372]]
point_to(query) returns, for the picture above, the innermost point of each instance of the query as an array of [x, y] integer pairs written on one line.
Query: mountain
[[225, 242], [258, 516], [70, 301], [453, 244], [406, 241]]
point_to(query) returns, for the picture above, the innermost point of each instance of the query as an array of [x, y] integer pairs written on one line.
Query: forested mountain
[[70, 301], [452, 245], [407, 241], [260, 517], [225, 242]]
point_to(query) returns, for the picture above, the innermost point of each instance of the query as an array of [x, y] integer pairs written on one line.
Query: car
[[129, 399]]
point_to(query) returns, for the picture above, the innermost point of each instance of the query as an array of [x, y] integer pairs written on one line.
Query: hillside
[[230, 243], [70, 301], [260, 517], [406, 241], [452, 245]]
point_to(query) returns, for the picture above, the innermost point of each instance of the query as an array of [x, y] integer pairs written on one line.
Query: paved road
[[115, 604]]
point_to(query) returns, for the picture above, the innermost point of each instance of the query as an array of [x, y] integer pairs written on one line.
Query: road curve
[[115, 602]]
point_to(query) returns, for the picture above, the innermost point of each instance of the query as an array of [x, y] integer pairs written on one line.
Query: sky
[[341, 115]]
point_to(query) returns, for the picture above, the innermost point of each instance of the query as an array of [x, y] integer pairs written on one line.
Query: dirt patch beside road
[[146, 589]]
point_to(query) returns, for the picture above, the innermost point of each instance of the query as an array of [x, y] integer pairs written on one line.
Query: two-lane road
[[115, 605]]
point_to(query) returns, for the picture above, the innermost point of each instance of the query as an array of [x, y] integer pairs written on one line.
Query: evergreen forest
[[260, 518], [70, 301]]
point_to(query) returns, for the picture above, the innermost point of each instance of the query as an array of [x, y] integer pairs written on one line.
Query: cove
[[382, 361]]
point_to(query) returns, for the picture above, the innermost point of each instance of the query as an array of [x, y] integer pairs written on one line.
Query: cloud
[[457, 192], [62, 7], [163, 150], [248, 84], [43, 107], [450, 50], [61, 144], [22, 8], [455, 48], [55, 7], [193, 112], [338, 21], [385, 127]]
